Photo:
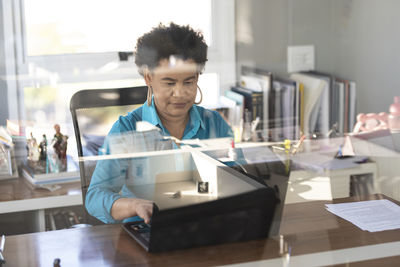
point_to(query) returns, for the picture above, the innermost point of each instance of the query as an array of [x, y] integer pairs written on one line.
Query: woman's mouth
[[179, 105]]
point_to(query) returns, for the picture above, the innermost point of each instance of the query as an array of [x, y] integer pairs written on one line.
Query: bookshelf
[[312, 103]]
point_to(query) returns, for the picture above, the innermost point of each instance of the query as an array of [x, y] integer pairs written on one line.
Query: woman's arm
[[124, 208]]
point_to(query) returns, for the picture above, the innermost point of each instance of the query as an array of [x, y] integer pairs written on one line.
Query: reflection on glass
[[319, 136], [67, 29]]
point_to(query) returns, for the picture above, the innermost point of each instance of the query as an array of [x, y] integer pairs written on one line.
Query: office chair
[[93, 113]]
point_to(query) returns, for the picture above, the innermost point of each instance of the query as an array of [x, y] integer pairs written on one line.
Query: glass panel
[[104, 26], [309, 137]]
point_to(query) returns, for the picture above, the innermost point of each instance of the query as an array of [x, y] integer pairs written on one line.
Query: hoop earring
[[149, 95], [201, 96]]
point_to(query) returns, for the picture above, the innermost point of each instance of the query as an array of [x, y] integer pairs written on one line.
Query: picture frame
[[8, 168]]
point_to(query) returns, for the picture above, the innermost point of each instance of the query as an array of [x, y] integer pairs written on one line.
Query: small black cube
[[202, 187]]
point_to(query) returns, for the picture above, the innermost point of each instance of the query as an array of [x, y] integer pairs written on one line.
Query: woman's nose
[[178, 90]]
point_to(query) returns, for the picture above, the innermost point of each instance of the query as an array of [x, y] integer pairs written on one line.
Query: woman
[[170, 58]]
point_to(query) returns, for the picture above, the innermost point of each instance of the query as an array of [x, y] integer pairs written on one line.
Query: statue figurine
[[33, 149], [43, 149], [60, 147], [371, 122]]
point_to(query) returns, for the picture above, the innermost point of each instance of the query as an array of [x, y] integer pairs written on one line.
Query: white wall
[[367, 49], [354, 39]]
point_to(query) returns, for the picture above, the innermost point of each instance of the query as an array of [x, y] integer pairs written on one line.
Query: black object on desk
[[262, 165], [241, 217]]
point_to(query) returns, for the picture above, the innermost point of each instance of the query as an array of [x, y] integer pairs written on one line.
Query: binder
[[301, 109], [259, 80], [289, 108], [252, 100], [344, 123], [313, 89], [326, 98], [239, 110], [339, 88], [352, 105]]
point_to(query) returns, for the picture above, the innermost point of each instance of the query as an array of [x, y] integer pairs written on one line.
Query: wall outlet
[[300, 58]]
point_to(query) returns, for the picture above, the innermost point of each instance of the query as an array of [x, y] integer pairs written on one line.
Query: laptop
[[240, 217]]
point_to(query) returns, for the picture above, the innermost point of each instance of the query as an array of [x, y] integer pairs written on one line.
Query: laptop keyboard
[[143, 229], [146, 236]]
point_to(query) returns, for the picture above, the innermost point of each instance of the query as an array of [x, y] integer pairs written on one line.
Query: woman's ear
[[147, 77]]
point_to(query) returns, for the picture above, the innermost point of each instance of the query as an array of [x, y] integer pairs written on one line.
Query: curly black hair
[[173, 40]]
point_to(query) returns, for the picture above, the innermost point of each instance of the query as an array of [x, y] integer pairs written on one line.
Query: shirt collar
[[149, 114], [194, 124], [195, 116]]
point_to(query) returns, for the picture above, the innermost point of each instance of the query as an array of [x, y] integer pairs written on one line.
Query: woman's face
[[174, 87]]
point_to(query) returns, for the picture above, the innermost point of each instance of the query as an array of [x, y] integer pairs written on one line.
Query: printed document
[[372, 215]]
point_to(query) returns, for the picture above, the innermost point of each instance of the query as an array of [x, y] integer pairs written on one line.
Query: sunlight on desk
[[317, 188], [186, 193]]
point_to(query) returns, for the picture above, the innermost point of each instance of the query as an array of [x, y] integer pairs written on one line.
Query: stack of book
[[330, 102], [307, 103], [273, 100]]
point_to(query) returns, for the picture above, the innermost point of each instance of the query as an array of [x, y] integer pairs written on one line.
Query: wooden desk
[[307, 227], [17, 195]]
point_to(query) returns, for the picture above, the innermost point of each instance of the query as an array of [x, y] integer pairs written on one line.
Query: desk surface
[[18, 195], [307, 228]]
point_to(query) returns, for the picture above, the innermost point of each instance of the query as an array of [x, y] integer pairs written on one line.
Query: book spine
[[346, 107], [248, 100], [257, 104], [301, 108]]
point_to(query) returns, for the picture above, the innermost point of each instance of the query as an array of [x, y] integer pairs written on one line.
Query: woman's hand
[[144, 209], [128, 207]]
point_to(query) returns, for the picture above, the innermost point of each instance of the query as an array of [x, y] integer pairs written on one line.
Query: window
[[66, 46], [75, 26]]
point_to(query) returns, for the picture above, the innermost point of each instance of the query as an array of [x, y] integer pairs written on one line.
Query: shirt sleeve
[[104, 189], [107, 180]]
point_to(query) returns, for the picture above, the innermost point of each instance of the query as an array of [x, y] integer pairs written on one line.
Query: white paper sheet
[[372, 215]]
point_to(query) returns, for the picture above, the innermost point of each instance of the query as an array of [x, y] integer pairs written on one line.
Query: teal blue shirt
[[108, 179]]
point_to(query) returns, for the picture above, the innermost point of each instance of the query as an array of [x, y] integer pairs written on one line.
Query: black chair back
[[90, 110]]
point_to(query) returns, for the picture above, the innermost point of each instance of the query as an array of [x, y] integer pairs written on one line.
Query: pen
[[299, 143], [3, 241]]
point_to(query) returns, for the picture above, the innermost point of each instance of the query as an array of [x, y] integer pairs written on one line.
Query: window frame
[[221, 56], [221, 51]]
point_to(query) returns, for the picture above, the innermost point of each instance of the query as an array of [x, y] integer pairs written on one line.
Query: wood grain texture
[[20, 189], [307, 228]]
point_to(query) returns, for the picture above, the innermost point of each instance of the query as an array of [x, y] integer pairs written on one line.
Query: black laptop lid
[[241, 217]]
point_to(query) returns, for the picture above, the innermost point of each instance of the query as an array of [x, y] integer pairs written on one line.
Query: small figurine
[[371, 122], [394, 115], [202, 187], [33, 149], [60, 147], [43, 149]]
